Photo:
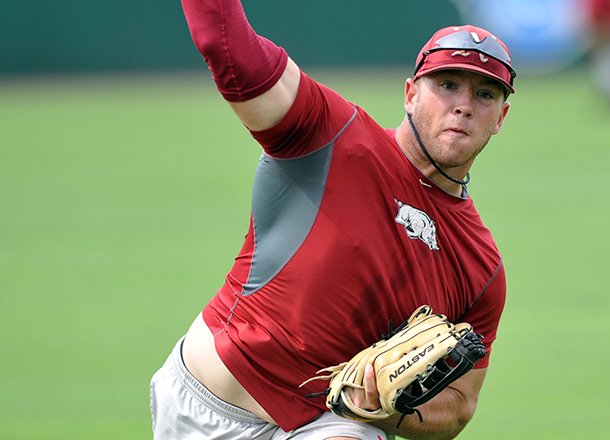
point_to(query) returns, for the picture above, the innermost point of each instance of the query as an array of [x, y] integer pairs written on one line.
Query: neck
[[452, 181]]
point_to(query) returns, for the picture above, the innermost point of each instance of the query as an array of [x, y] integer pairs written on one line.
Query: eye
[[449, 85], [486, 94]]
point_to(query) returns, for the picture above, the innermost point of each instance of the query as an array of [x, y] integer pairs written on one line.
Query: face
[[455, 112]]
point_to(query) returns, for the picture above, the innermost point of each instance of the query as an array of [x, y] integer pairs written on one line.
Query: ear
[[410, 95], [505, 107]]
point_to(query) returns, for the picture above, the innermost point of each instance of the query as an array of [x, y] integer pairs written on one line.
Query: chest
[[405, 243]]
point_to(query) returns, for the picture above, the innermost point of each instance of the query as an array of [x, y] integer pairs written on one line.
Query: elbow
[[205, 27], [462, 418], [209, 43], [468, 409], [464, 414]]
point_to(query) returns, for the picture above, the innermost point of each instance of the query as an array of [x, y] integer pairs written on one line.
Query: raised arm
[[254, 75]]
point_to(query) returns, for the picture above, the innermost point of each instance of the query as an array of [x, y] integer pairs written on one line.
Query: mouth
[[456, 131]]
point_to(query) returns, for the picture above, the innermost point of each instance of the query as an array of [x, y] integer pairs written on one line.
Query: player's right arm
[[254, 75]]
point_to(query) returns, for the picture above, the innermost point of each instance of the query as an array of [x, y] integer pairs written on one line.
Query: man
[[352, 225]]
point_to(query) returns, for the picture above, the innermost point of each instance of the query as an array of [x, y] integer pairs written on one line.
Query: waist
[[203, 362]]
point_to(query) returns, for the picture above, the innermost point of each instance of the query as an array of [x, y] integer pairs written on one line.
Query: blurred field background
[[124, 198]]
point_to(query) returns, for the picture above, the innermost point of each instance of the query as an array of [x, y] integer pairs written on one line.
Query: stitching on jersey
[[315, 150], [493, 277], [289, 258], [340, 132], [237, 297]]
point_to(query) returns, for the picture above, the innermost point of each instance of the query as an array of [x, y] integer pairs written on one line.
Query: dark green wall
[[76, 36]]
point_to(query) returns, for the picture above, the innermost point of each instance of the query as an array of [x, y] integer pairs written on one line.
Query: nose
[[464, 104]]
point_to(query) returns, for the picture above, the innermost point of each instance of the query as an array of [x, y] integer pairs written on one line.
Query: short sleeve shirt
[[345, 236]]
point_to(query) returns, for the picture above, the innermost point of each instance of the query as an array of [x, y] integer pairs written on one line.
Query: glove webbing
[[440, 375]]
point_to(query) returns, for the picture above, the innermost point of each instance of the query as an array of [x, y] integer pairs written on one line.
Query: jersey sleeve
[[244, 65], [315, 119], [484, 314]]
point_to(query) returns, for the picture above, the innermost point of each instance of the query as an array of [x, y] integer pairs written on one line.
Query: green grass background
[[123, 201]]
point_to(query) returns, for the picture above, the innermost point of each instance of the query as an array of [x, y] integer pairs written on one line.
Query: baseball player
[[353, 226]]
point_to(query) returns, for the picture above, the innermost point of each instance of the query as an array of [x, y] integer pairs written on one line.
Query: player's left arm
[[444, 416]]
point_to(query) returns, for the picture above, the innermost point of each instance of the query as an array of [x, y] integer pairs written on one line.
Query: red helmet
[[466, 48]]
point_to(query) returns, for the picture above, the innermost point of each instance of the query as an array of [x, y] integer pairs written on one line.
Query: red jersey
[[345, 235]]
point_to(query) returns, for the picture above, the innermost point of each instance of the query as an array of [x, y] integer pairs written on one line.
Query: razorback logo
[[417, 223]]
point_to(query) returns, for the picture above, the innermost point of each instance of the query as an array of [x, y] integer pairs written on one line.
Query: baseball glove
[[410, 365]]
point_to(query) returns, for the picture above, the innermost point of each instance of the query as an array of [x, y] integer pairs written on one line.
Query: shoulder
[[317, 115]]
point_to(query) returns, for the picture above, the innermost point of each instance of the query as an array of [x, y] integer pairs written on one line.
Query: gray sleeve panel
[[286, 199]]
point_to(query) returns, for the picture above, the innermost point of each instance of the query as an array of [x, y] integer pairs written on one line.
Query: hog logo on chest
[[417, 223]]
